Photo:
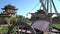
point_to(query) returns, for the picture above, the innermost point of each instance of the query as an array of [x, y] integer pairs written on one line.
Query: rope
[[54, 7], [35, 6]]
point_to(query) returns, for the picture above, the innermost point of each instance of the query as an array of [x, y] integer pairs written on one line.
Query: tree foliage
[[20, 18]]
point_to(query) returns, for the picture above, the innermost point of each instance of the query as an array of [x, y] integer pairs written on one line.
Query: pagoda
[[40, 14], [8, 11]]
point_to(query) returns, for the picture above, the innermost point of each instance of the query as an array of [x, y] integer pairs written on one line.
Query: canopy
[[40, 25]]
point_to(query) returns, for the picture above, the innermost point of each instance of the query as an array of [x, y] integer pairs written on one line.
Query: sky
[[26, 6]]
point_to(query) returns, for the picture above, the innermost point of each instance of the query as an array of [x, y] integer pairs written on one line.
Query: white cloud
[[54, 16], [29, 15], [33, 11]]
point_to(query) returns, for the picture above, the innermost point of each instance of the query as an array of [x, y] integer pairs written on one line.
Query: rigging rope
[[35, 6], [32, 8], [54, 7]]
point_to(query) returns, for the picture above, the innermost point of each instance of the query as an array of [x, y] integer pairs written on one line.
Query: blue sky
[[25, 6]]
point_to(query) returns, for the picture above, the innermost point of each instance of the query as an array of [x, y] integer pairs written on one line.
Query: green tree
[[20, 18]]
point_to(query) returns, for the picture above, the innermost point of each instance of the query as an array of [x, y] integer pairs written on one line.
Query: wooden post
[[47, 31]]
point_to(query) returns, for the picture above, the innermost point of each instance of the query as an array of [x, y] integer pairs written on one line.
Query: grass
[[56, 25], [4, 29]]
